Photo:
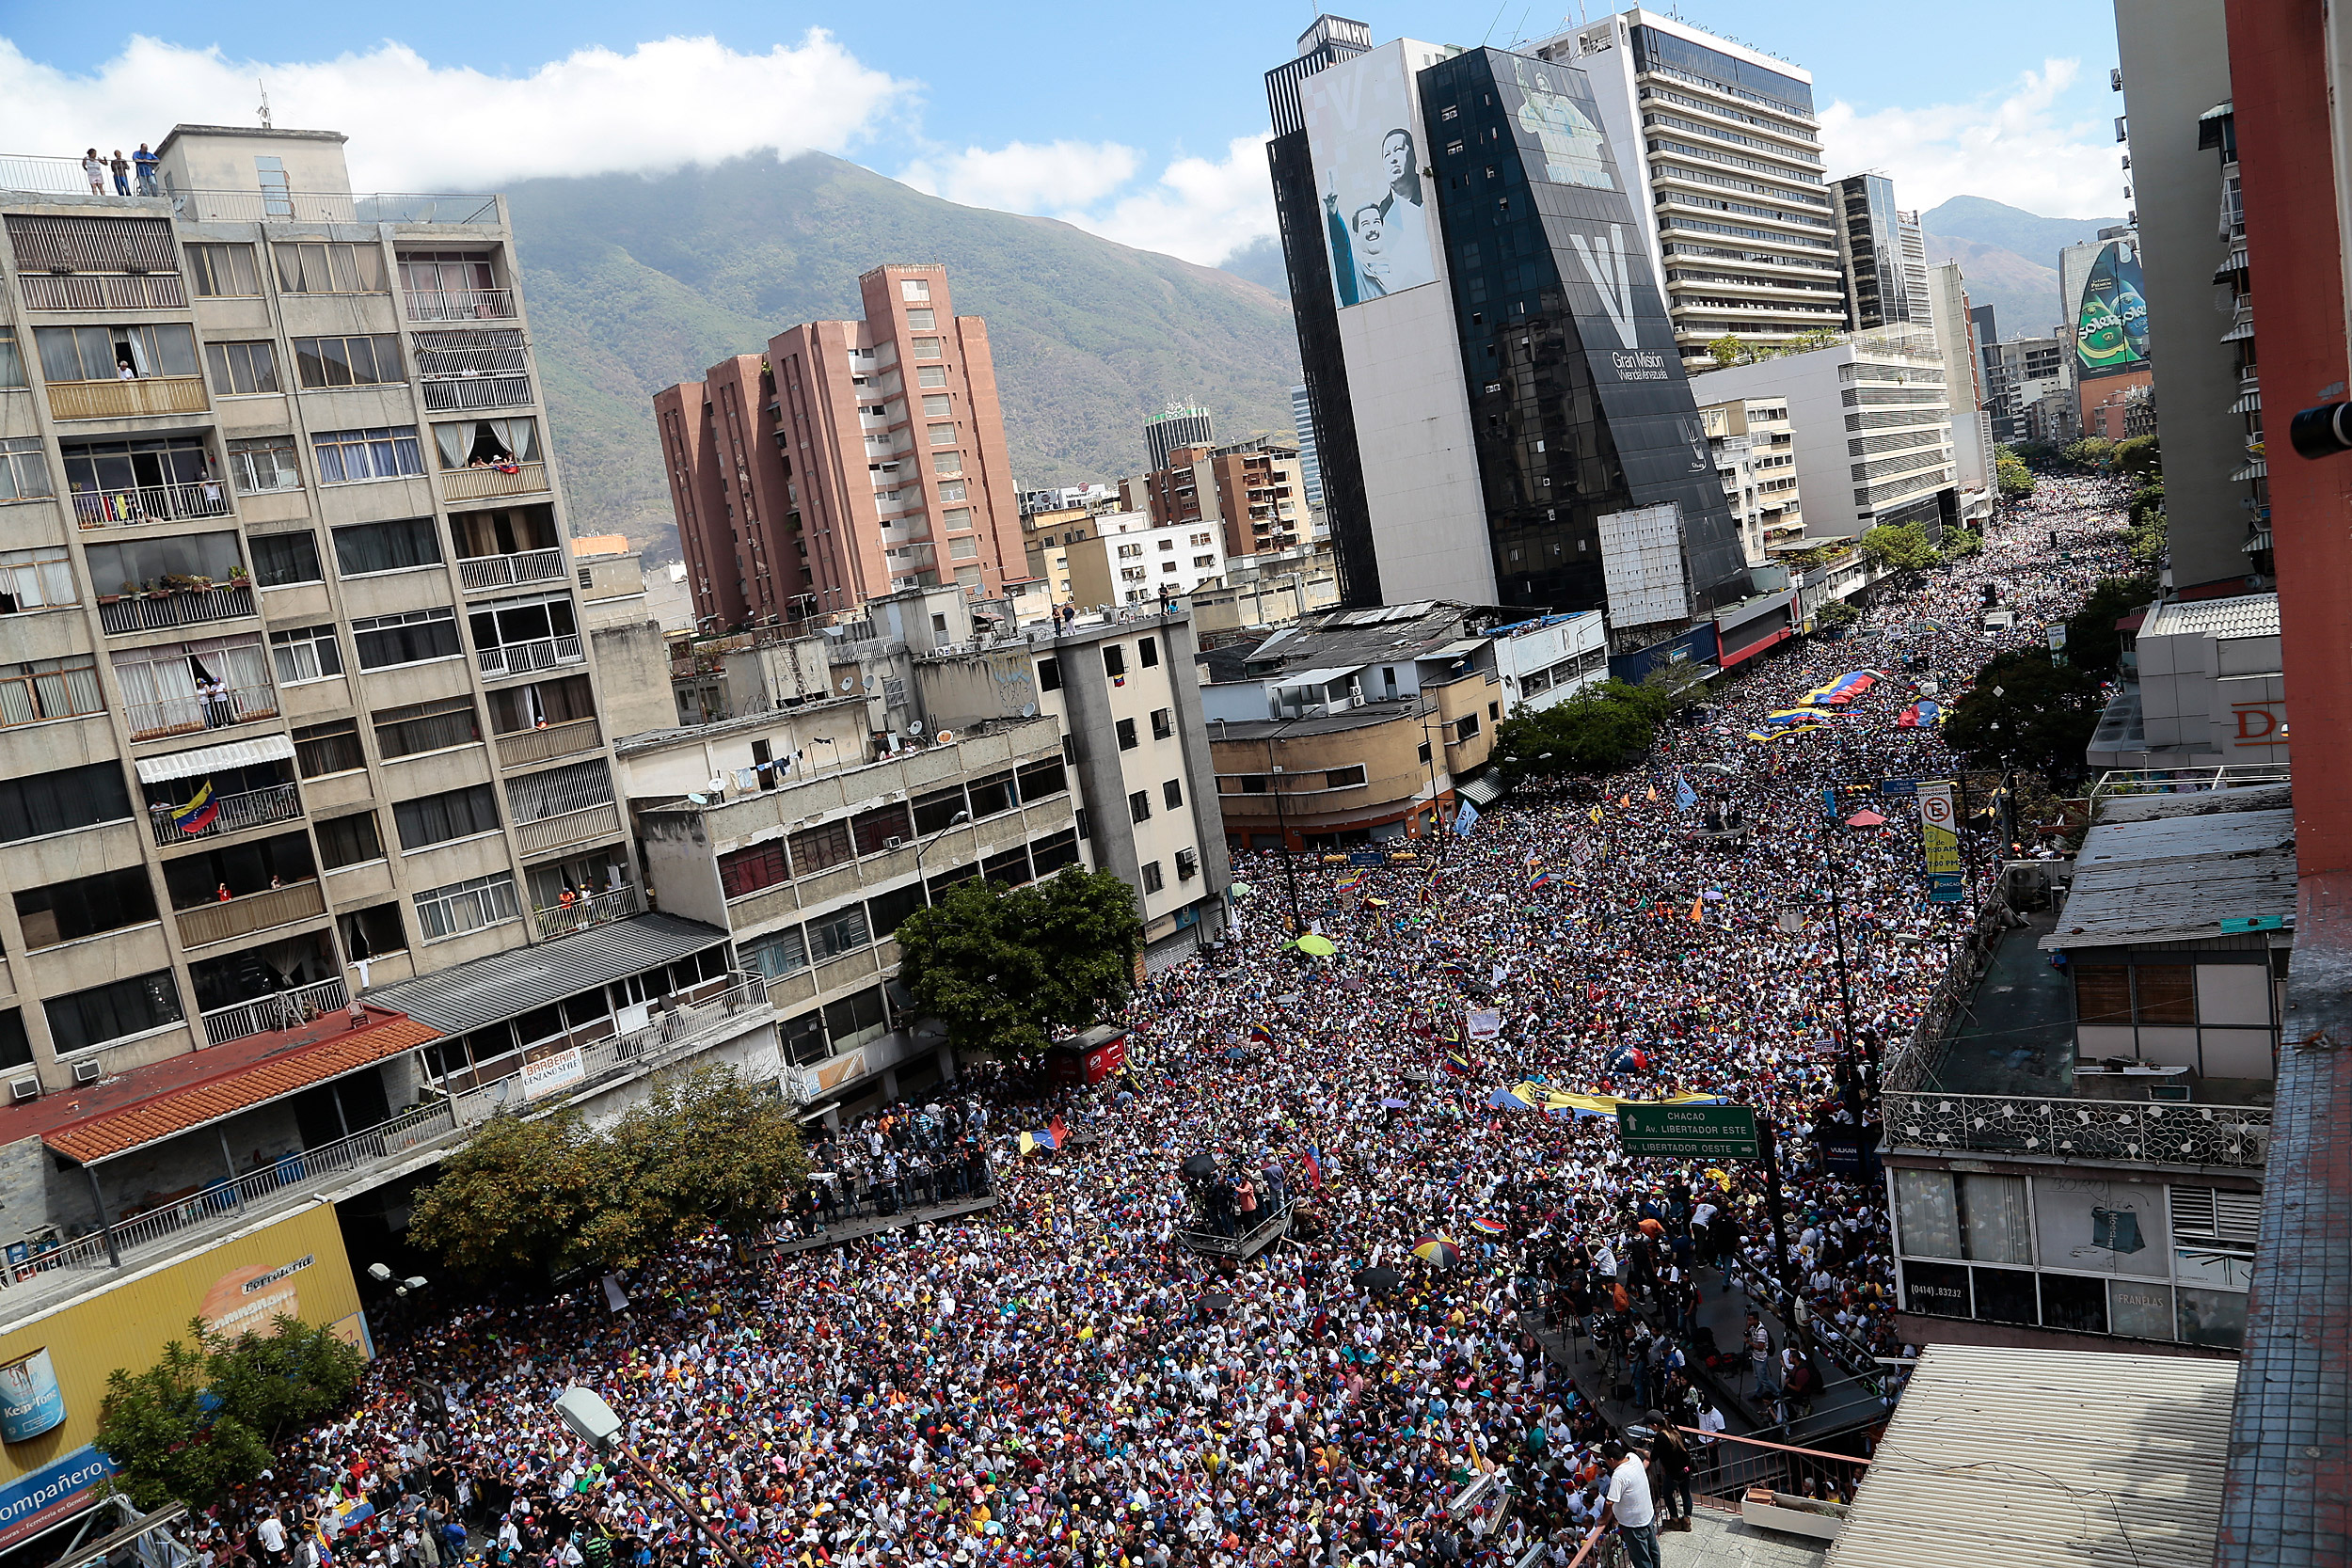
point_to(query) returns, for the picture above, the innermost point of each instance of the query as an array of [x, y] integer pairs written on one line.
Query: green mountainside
[[1996, 222], [635, 283]]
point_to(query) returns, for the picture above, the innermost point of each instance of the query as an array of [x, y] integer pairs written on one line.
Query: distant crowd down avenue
[[1058, 1380]]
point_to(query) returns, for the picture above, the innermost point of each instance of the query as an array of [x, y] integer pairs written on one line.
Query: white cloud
[[415, 125], [1022, 177], [2023, 148]]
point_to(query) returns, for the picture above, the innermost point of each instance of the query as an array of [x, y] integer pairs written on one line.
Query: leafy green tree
[[2091, 454], [2028, 711], [1836, 612], [520, 1196], [1902, 547], [2138, 455], [2092, 644], [2148, 538], [710, 1144], [1003, 967], [2012, 474], [1959, 544], [1731, 349], [207, 1417], [1606, 727]]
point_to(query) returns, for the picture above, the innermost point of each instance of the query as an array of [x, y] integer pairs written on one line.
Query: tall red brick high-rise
[[853, 458]]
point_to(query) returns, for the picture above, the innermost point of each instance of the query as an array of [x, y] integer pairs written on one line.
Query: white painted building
[[1755, 457]]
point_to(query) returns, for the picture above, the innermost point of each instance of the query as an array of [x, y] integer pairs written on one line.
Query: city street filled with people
[[1062, 1380]]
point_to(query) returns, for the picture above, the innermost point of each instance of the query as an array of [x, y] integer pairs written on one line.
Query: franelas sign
[[2110, 312], [1364, 134], [1939, 839], [253, 1297]]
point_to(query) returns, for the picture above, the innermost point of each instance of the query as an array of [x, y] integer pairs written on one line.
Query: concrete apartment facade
[[1132, 559], [1254, 493], [1755, 455], [1873, 431], [850, 459], [1723, 141], [384, 706]]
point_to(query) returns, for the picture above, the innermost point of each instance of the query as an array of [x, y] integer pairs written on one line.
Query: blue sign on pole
[[1829, 803], [1899, 787], [1942, 889], [1366, 857]]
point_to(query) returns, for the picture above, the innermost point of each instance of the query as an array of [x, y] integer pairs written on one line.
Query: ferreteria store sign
[[1688, 1131]]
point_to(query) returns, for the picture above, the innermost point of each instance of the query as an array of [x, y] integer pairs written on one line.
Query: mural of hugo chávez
[[1379, 235]]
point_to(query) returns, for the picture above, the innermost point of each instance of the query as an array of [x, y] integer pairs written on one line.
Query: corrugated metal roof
[[504, 984], [2246, 615], [1485, 790], [209, 759], [2174, 900], [2000, 1458], [2186, 837]]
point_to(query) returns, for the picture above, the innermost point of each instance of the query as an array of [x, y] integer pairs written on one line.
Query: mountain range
[[637, 282], [2008, 257]]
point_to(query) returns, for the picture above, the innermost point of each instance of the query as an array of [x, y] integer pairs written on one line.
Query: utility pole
[[1768, 1147], [1282, 822]]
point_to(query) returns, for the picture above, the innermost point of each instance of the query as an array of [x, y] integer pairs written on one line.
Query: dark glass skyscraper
[[1593, 479]]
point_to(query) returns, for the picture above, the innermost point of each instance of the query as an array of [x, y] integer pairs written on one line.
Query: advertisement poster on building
[[33, 1502], [2103, 293], [30, 1400], [1379, 215], [552, 1067], [253, 1297], [1939, 837]]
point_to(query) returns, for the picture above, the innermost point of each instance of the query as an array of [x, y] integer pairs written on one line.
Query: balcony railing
[[285, 1010], [126, 400], [460, 305], [234, 813], [148, 503], [334, 207], [192, 715], [571, 827], [51, 176], [521, 658], [507, 571], [298, 1177], [467, 484], [563, 919], [102, 290], [206, 924], [477, 392], [2156, 1132], [525, 747], [187, 607]]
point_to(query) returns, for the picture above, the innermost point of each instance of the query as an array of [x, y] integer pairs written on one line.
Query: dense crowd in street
[[1060, 1381]]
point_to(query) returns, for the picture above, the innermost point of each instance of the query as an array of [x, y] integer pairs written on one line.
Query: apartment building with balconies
[[1756, 455], [1725, 144], [1129, 558], [1253, 491], [292, 663], [849, 460]]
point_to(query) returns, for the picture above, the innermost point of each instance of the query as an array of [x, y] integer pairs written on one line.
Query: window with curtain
[[24, 469], [223, 271], [281, 559], [113, 1011], [453, 814], [104, 353], [832, 935], [97, 902], [742, 871], [487, 443], [511, 620], [1993, 1217], [210, 555], [371, 360], [11, 361], [817, 848], [777, 953], [1927, 1215], [383, 641], [946, 463], [242, 369], [38, 579], [393, 545], [263, 463], [47, 689], [355, 456], [2165, 993], [305, 654], [872, 831], [329, 747], [329, 268], [527, 707], [349, 840], [404, 732], [62, 801], [163, 687], [536, 797], [2102, 993]]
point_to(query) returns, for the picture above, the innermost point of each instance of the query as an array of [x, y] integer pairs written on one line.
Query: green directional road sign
[[1691, 1132]]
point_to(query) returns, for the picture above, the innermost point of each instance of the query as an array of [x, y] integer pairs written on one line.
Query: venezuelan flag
[[198, 813]]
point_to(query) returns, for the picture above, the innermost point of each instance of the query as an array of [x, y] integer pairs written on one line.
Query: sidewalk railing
[[1725, 1469], [334, 207], [2185, 781]]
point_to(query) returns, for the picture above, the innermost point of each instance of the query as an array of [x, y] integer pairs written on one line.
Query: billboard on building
[[1379, 213], [54, 1367], [1640, 558], [2106, 307]]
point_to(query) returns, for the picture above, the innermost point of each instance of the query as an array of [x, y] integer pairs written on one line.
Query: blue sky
[[1137, 122]]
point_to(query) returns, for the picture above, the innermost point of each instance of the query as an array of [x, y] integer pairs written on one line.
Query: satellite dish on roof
[[915, 726], [1028, 710], [846, 682], [945, 737]]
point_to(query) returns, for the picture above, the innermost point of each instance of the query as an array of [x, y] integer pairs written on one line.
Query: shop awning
[[215, 759]]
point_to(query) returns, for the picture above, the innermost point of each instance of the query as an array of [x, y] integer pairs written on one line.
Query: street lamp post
[[1282, 828], [953, 822], [593, 1423]]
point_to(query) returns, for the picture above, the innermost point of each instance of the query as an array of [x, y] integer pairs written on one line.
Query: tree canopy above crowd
[[1005, 967]]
